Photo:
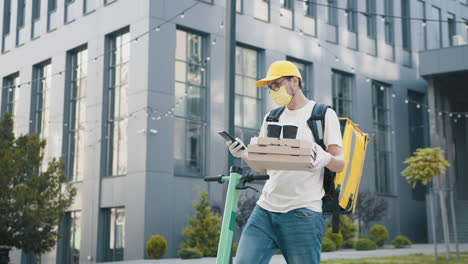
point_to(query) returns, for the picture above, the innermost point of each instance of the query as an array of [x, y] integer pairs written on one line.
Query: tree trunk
[[445, 226], [4, 255]]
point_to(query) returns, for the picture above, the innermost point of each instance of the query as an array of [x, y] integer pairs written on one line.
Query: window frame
[[371, 21], [406, 25], [332, 13], [109, 254], [108, 104], [383, 184], [308, 78], [9, 94], [389, 25], [72, 101], [351, 79], [204, 87]]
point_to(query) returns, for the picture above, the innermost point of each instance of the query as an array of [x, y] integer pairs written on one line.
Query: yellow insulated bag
[[341, 189]]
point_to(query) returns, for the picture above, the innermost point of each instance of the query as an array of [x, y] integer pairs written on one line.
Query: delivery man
[[288, 214]]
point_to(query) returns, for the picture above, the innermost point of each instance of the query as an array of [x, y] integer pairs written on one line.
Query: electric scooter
[[237, 182]]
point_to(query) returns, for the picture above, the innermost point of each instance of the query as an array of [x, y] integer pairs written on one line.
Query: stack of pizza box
[[280, 153]]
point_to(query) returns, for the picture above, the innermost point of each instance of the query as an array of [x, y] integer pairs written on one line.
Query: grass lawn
[[406, 259]]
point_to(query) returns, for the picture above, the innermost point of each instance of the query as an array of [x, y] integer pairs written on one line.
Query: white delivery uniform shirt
[[289, 190]]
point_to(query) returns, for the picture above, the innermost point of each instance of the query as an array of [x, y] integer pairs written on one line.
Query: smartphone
[[228, 137]]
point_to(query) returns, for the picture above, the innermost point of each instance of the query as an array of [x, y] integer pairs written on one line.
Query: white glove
[[320, 158], [235, 148]]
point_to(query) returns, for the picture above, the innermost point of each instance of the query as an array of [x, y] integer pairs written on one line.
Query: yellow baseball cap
[[277, 70]]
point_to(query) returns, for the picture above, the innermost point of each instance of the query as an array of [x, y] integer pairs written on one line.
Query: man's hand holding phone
[[236, 146]]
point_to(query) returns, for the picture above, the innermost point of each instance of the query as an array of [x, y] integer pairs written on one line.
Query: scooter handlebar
[[250, 178], [213, 178]]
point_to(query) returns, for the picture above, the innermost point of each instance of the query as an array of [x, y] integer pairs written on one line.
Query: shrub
[[350, 243], [190, 253], [347, 227], [365, 244], [401, 242], [379, 235], [203, 229], [156, 247], [328, 245], [336, 238]]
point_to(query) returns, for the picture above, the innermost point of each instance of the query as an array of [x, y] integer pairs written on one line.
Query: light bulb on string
[[158, 28], [382, 18], [337, 59], [301, 33], [428, 110], [182, 15], [440, 113], [382, 88], [406, 101], [367, 79], [423, 24], [213, 42], [346, 12], [222, 25], [418, 106], [393, 95], [450, 114]]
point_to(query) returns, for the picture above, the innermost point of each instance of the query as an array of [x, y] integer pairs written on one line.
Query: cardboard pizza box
[[278, 150], [281, 162]]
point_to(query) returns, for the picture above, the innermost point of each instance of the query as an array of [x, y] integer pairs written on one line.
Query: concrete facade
[[158, 202]]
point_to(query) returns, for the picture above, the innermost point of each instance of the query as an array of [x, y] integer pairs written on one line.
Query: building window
[[305, 69], [389, 25], [36, 9], [418, 133], [370, 19], [89, 5], [287, 4], [20, 32], [239, 6], [114, 233], [40, 104], [466, 29], [310, 8], [421, 8], [51, 15], [381, 100], [116, 103], [406, 24], [75, 113], [342, 87], [10, 94], [36, 14], [352, 15], [332, 12], [262, 10], [248, 98], [452, 28], [6, 16], [68, 250], [20, 14], [190, 111], [435, 29]]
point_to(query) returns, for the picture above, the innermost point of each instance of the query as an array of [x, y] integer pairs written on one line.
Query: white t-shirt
[[289, 190]]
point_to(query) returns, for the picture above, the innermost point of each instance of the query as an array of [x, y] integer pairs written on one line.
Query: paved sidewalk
[[388, 250]]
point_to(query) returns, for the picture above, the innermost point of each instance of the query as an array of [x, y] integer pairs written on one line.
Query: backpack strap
[[275, 114], [316, 123]]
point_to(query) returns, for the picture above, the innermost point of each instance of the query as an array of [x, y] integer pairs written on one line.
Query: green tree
[[32, 202], [204, 228], [425, 165]]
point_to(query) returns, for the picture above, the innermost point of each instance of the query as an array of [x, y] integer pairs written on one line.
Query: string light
[[314, 2]]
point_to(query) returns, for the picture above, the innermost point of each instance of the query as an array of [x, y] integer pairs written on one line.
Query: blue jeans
[[297, 233]]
